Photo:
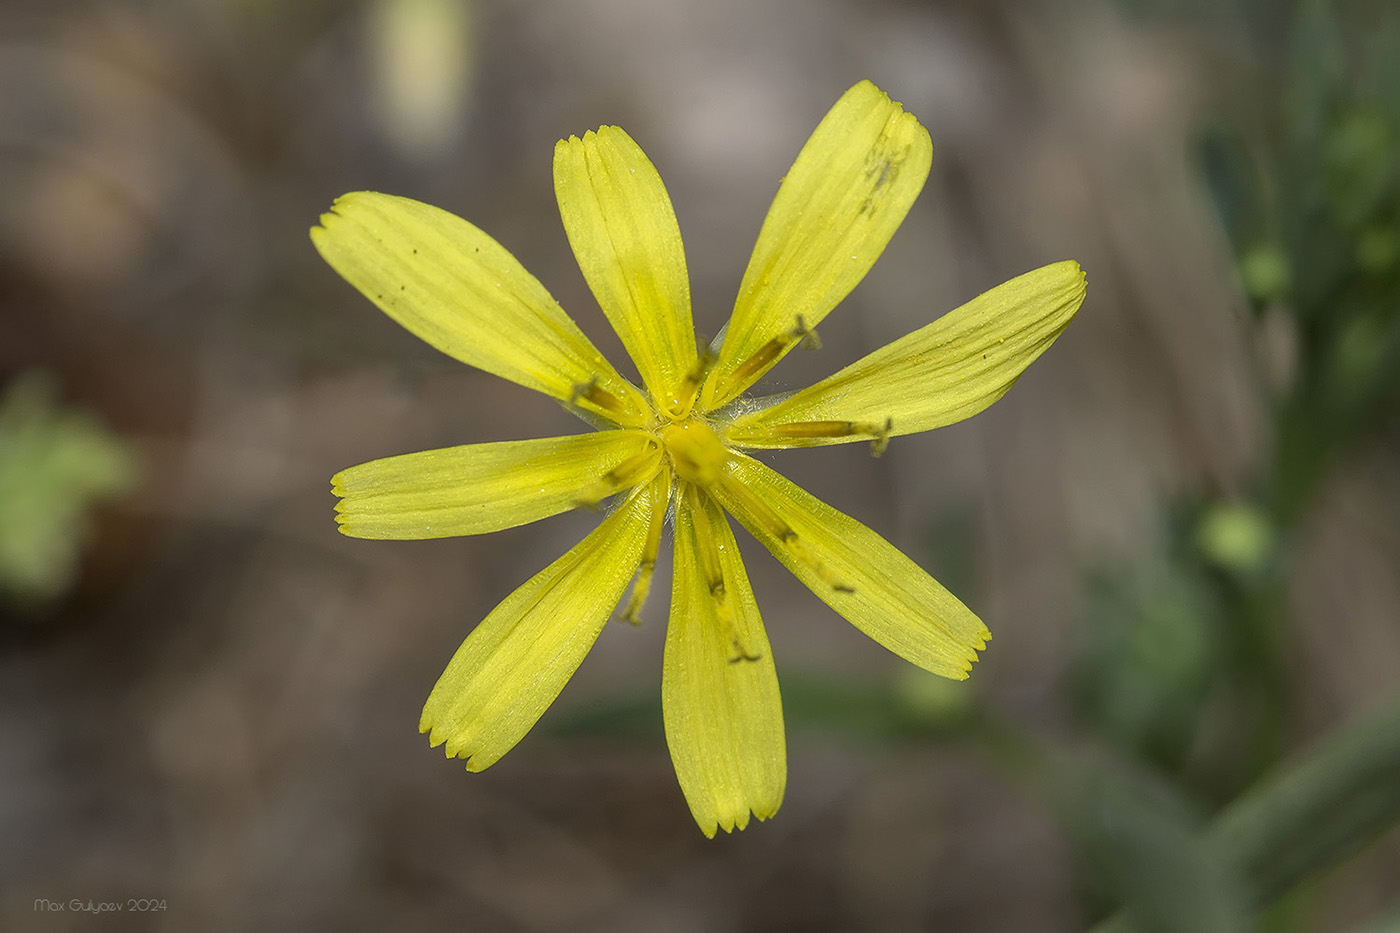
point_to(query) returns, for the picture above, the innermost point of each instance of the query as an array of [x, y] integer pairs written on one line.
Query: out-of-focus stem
[[1319, 810], [1313, 813]]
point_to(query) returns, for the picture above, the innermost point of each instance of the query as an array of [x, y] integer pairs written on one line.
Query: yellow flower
[[677, 446]]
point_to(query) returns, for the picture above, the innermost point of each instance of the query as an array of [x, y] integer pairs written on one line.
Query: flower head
[[676, 446]]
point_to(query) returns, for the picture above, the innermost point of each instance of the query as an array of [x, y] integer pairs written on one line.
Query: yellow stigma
[[696, 452]]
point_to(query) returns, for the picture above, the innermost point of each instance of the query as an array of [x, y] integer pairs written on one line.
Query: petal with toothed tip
[[845, 195], [862, 576], [477, 488], [719, 688], [462, 292], [513, 665], [624, 234], [942, 373]]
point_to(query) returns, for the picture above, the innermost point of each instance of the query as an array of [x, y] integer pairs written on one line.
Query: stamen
[[628, 473], [602, 399], [773, 523], [879, 433], [679, 405], [705, 543], [759, 361], [710, 566], [642, 587], [774, 348]]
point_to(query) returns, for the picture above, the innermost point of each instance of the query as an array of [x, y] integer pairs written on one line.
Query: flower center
[[697, 454]]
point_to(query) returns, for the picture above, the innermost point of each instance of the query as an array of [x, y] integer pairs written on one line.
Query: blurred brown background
[[222, 712]]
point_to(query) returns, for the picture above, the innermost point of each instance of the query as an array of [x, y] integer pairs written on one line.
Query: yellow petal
[[840, 203], [484, 487], [939, 374], [855, 571], [461, 291], [719, 689], [513, 665], [624, 233]]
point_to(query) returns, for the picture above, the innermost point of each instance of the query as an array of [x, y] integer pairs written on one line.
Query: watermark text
[[78, 905]]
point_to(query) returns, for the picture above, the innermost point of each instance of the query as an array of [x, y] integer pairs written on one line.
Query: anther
[[680, 403], [879, 434], [771, 522], [641, 589], [774, 348], [705, 546], [708, 552], [759, 361], [626, 474], [660, 503], [601, 398]]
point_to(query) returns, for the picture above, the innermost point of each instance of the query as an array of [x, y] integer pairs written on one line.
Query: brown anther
[[601, 398], [682, 400], [880, 434], [817, 429], [626, 474], [760, 361], [640, 590], [774, 348], [771, 522], [660, 504]]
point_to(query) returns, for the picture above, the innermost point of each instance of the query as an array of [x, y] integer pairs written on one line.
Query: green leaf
[[55, 463]]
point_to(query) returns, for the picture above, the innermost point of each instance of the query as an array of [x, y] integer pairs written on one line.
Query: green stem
[[1315, 813], [1319, 811]]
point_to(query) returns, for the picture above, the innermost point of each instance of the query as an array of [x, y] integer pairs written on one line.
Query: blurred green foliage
[[1184, 665], [55, 464], [1309, 196], [1305, 176], [1150, 657]]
